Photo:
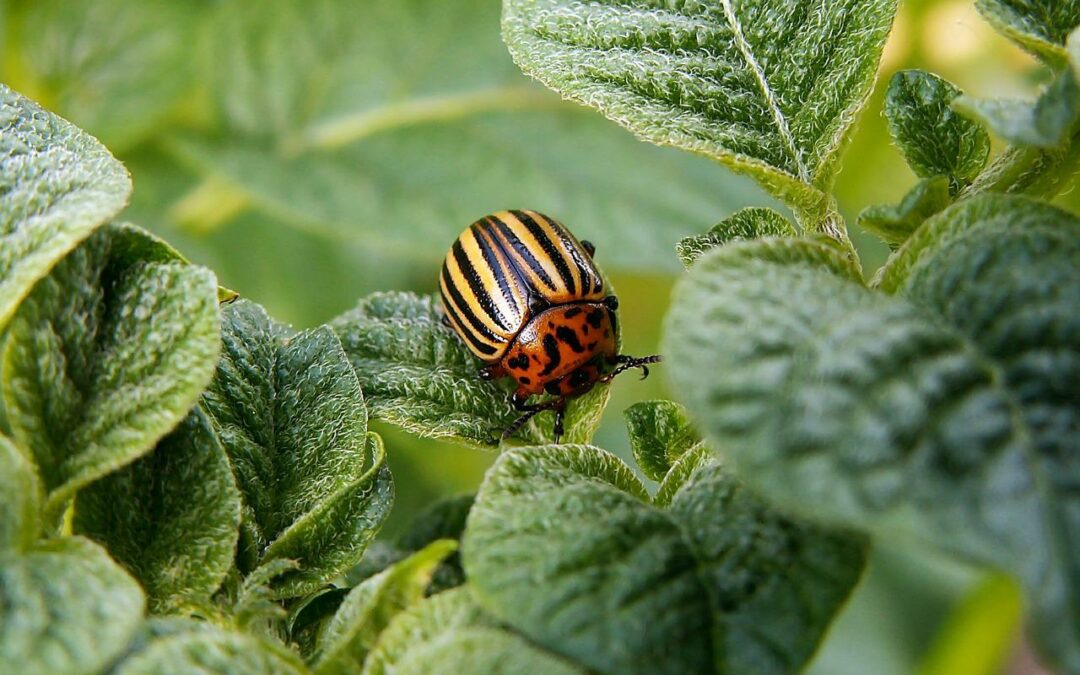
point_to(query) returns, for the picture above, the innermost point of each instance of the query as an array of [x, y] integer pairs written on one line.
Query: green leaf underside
[[449, 633], [767, 87], [57, 184], [291, 416], [1039, 26], [171, 518], [1006, 272], [19, 499], [418, 374], [105, 356], [660, 433], [881, 414], [630, 588], [894, 224], [1046, 122], [934, 139], [748, 223], [212, 651], [369, 608], [67, 608]]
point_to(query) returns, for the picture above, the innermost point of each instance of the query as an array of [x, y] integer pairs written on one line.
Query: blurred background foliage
[[314, 151]]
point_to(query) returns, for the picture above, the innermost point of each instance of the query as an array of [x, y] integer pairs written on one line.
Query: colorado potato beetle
[[525, 297]]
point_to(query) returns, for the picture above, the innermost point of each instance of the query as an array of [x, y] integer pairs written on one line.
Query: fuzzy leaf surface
[[171, 517], [418, 374], [749, 223], [106, 356], [1040, 26], [65, 607], [211, 650], [57, 184], [767, 87], [894, 224], [291, 416], [1046, 122], [660, 433], [20, 499]]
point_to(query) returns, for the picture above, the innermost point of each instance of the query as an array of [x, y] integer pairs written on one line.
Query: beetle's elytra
[[526, 298]]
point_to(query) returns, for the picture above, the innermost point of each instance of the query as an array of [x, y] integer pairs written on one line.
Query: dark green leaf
[[291, 416], [20, 498], [1039, 26], [56, 185], [749, 223], [171, 518], [660, 433], [418, 374], [1047, 122], [212, 651], [106, 355], [767, 87], [445, 519], [368, 609], [933, 138], [65, 607], [894, 224]]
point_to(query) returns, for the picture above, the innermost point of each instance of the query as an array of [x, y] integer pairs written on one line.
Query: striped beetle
[[525, 297]]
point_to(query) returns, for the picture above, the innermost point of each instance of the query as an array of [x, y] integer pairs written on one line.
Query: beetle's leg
[[588, 246], [627, 362], [491, 371], [560, 412], [611, 302], [556, 404], [518, 399]]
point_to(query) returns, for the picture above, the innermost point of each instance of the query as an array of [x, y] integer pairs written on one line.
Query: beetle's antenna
[[628, 362]]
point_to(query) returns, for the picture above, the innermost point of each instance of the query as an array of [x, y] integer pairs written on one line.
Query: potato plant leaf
[[418, 374], [106, 356], [211, 650], [20, 499], [633, 588], [65, 607], [749, 223], [171, 517], [1039, 26], [894, 224], [1047, 122], [660, 433], [767, 87], [57, 184], [291, 416]]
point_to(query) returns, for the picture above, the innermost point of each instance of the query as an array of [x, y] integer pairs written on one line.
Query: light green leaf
[[20, 498], [212, 651], [660, 433], [368, 609], [767, 87], [933, 138], [894, 224], [171, 518], [106, 355], [58, 184], [1047, 122], [1039, 26], [65, 607], [418, 374], [563, 545], [117, 68], [445, 519], [289, 412], [748, 223]]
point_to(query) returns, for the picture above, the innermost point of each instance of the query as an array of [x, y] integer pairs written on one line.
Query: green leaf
[[65, 607], [1039, 26], [445, 519], [894, 224], [171, 518], [289, 412], [212, 651], [106, 355], [660, 433], [1047, 122], [933, 138], [748, 223], [117, 68], [767, 87], [20, 498], [368, 609], [563, 545], [418, 374], [58, 184]]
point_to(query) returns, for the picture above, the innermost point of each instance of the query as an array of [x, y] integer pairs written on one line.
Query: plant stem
[[1039, 172]]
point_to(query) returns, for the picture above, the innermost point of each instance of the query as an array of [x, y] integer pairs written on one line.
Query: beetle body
[[526, 298]]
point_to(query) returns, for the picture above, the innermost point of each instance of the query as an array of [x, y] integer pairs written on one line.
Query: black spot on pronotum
[[519, 362], [572, 312], [524, 380], [595, 318], [569, 337], [551, 348]]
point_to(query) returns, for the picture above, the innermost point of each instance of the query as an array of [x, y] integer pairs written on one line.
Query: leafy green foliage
[[767, 87], [19, 499], [1046, 123], [366, 611], [171, 517], [1040, 26], [291, 416], [104, 357], [631, 588], [212, 651], [894, 224], [748, 223], [418, 374], [58, 184], [65, 607], [934, 139], [660, 433]]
